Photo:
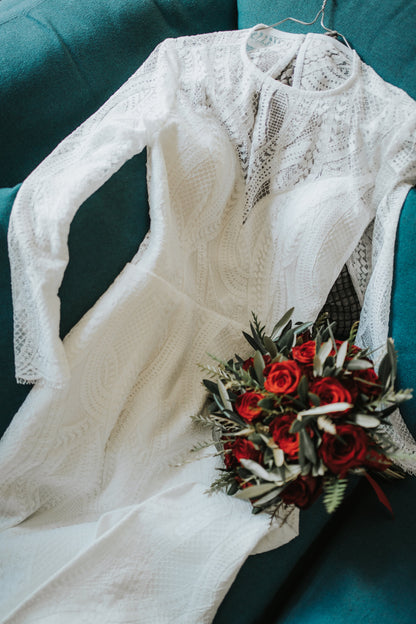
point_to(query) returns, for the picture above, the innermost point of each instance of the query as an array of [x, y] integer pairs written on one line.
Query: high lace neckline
[[298, 48]]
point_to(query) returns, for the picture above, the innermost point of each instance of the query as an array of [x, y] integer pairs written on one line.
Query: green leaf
[[308, 446], [224, 396], [318, 341], [393, 360], [299, 329], [325, 350], [303, 387], [285, 318], [279, 457], [286, 340], [325, 409], [358, 364], [342, 354], [302, 458], [314, 399], [233, 488], [334, 493], [255, 490], [251, 341], [258, 471], [259, 365], [366, 421], [266, 404], [256, 438], [270, 346], [296, 426], [384, 371], [268, 498], [210, 386]]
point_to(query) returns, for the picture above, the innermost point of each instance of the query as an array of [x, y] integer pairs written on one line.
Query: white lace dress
[[269, 156]]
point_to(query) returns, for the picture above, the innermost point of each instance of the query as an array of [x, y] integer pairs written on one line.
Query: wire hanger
[[321, 12]]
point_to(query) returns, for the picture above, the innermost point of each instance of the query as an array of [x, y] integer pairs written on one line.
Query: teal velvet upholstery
[[403, 305], [11, 394], [60, 61]]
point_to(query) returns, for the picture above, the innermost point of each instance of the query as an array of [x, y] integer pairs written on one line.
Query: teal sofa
[[58, 63]]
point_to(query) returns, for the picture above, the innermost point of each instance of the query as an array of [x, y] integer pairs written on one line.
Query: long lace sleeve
[[374, 257], [50, 197]]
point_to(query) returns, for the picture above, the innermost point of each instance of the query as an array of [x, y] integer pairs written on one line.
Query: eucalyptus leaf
[[270, 346], [279, 457], [314, 399], [252, 342], [285, 318], [325, 350], [266, 404], [255, 490], [256, 438], [308, 446], [299, 329], [358, 364], [329, 371], [259, 365], [211, 386], [366, 421], [328, 333], [286, 340], [318, 341], [233, 488], [268, 498], [292, 471], [259, 471], [393, 360], [325, 409], [224, 396], [296, 426], [303, 388], [342, 354], [317, 365], [302, 459]]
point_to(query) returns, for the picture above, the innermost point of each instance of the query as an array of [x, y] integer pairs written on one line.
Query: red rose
[[345, 450], [282, 377], [302, 492], [246, 405], [330, 390], [363, 377], [240, 449], [305, 353], [280, 430]]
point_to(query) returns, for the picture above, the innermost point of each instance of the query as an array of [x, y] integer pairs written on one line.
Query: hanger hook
[[321, 13]]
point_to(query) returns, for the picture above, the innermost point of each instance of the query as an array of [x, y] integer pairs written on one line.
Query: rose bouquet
[[301, 416]]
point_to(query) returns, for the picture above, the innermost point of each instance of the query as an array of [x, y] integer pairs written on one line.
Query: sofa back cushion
[[60, 61]]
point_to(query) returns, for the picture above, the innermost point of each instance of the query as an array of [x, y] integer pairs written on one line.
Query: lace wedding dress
[[269, 157]]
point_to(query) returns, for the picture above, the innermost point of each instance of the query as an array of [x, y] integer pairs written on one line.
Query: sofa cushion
[[60, 61]]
